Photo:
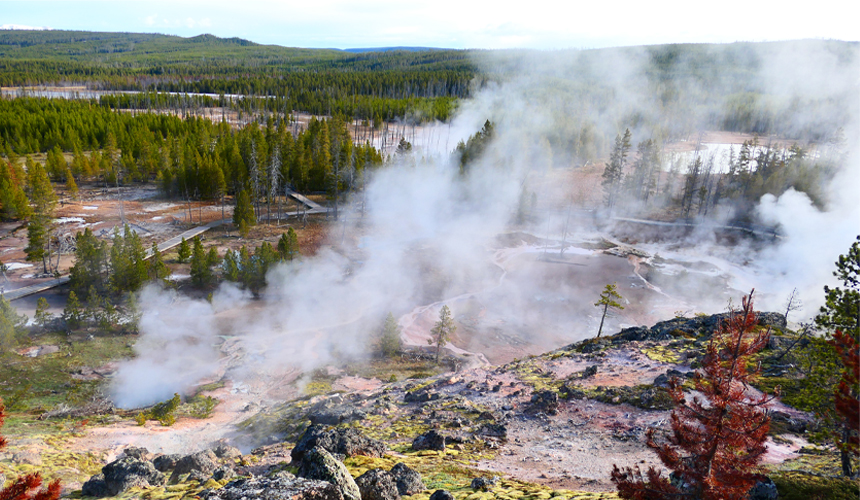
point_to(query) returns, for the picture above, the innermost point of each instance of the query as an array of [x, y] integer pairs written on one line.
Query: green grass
[[50, 376]]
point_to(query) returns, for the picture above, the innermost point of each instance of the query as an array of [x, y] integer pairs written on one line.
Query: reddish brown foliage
[[847, 401], [717, 440], [27, 487]]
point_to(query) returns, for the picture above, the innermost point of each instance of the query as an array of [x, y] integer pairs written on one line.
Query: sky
[[536, 24]]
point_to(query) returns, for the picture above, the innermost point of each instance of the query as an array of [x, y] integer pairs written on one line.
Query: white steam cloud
[[430, 236]]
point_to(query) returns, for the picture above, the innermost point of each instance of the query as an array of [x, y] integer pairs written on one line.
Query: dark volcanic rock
[[545, 401], [441, 495], [494, 430], [343, 441], [421, 396], [223, 472], [407, 480], [319, 464], [128, 472], [334, 415], [663, 379], [279, 486], [377, 484], [764, 489], [226, 451], [164, 463], [484, 483], [699, 326], [95, 487], [430, 440], [202, 461], [138, 453]]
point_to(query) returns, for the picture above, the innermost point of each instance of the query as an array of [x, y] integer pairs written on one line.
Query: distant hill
[[392, 49]]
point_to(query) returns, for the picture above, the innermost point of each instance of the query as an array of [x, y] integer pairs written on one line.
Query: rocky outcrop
[[699, 326], [319, 464], [227, 452], [484, 483], [125, 473], [408, 481], [334, 412], [202, 462], [340, 440], [430, 440], [95, 487], [377, 484], [279, 486]]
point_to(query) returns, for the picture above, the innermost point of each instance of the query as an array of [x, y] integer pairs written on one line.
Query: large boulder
[[340, 440], [377, 484], [164, 463], [279, 486], [319, 464], [227, 452], [764, 489], [484, 483], [202, 462], [441, 495], [430, 440], [128, 472], [407, 480], [95, 487]]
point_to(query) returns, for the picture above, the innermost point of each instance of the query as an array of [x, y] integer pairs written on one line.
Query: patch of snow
[[160, 206], [90, 208], [158, 217], [179, 277]]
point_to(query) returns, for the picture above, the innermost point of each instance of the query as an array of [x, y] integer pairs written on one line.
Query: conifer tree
[[71, 185], [609, 297], [156, 269], [717, 441], [73, 314], [91, 263], [42, 317], [390, 344], [201, 274], [43, 200], [614, 171], [243, 214], [847, 399], [11, 324], [184, 251], [288, 245], [442, 331]]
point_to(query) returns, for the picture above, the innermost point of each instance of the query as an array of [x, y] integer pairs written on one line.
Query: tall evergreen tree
[[442, 331], [243, 214], [44, 201]]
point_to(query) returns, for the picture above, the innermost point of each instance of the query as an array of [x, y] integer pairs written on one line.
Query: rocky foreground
[[544, 427]]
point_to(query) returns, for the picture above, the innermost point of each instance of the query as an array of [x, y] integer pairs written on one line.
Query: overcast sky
[[446, 23]]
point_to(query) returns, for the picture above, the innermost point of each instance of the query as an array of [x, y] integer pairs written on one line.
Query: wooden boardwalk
[[26, 291]]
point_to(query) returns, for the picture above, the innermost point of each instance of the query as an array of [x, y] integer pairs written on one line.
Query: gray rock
[[164, 463], [493, 430], [441, 495], [319, 464], [589, 372], [95, 487], [545, 401], [227, 452], [128, 472], [408, 481], [327, 414], [138, 453], [377, 484], [421, 396], [764, 489], [223, 472], [279, 486], [202, 461], [340, 440], [484, 483], [430, 440]]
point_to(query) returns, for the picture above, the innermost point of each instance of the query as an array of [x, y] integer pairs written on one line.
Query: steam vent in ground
[[243, 271]]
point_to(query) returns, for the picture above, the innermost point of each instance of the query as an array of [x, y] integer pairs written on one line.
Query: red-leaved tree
[[847, 398], [27, 487], [717, 439]]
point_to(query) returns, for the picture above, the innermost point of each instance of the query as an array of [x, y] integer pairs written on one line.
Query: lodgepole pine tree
[[442, 331], [716, 442], [26, 487], [609, 297]]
